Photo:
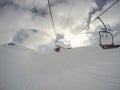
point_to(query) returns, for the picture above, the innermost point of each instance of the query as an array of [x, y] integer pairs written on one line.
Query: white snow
[[85, 68]]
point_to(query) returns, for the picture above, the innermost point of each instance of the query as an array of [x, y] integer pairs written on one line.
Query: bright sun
[[81, 40]]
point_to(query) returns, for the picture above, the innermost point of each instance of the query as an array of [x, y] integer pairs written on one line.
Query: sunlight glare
[[79, 41]]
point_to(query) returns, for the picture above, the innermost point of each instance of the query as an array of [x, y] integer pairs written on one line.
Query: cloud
[[4, 3], [32, 38], [18, 17], [39, 11], [99, 6]]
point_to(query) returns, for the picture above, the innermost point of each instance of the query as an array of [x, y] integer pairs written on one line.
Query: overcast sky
[[28, 22]]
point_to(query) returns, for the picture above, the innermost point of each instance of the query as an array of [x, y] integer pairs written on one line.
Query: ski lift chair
[[107, 46], [60, 43], [11, 43], [57, 49]]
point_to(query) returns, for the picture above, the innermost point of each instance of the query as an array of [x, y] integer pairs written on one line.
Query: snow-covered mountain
[[85, 68]]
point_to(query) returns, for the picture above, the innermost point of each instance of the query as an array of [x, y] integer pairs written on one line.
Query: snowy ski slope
[[85, 68]]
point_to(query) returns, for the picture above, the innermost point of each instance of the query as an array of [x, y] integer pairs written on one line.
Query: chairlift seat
[[109, 46]]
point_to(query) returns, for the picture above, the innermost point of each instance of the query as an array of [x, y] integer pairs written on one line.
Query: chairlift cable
[[53, 24], [67, 20], [109, 8], [83, 29], [95, 19]]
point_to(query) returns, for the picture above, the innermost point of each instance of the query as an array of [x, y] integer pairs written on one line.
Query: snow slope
[[86, 68]]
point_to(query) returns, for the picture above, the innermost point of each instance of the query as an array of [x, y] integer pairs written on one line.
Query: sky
[[28, 22]]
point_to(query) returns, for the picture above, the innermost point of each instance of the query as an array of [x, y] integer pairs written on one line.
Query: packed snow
[[84, 68]]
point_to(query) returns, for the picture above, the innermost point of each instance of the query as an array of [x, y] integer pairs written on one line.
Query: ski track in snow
[[86, 68]]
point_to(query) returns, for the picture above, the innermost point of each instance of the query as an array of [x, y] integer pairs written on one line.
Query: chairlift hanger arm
[[102, 23]]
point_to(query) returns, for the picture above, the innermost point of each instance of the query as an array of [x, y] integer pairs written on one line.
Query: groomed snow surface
[[85, 68]]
